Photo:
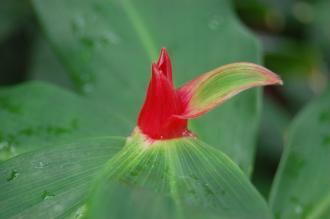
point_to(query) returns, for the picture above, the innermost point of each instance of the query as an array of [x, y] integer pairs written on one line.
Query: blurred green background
[[296, 42]]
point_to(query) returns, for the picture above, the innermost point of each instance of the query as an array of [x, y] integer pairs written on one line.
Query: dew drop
[[85, 82], [80, 213], [47, 195], [110, 38], [208, 189], [78, 24], [40, 164], [88, 88], [58, 208], [215, 22], [298, 209], [7, 150], [13, 175]]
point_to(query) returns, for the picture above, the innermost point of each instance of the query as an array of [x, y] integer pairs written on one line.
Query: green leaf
[[52, 182], [108, 47], [37, 114], [302, 185], [215, 87], [198, 182]]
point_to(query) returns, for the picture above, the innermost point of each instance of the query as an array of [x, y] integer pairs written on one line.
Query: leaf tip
[[272, 78]]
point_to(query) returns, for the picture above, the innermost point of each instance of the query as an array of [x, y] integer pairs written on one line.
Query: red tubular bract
[[158, 117]]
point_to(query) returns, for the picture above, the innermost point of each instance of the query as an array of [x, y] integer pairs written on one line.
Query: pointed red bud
[[157, 117]]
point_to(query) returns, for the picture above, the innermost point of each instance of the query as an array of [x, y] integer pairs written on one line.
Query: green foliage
[[302, 184], [52, 182], [198, 180], [108, 46], [109, 66], [57, 156], [36, 115]]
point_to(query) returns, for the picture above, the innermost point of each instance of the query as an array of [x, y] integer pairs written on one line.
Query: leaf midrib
[[139, 26]]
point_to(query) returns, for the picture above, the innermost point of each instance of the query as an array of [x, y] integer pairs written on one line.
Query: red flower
[[158, 118], [166, 110]]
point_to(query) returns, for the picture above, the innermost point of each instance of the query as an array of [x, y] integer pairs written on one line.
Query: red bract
[[166, 110], [158, 117]]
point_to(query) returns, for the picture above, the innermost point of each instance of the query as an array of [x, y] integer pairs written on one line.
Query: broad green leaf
[[52, 182], [108, 46], [198, 181], [37, 114], [113, 200], [302, 184], [215, 87]]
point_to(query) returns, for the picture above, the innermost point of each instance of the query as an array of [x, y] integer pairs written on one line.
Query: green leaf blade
[[37, 114], [301, 186], [53, 181], [185, 177]]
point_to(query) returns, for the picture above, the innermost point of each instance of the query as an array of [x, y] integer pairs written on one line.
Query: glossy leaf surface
[[37, 114], [52, 182]]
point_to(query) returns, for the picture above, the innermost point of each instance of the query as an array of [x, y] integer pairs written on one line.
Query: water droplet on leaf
[[7, 150], [208, 190], [110, 38], [40, 164], [47, 195], [80, 213], [88, 88], [298, 209], [13, 175], [215, 22], [78, 24]]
